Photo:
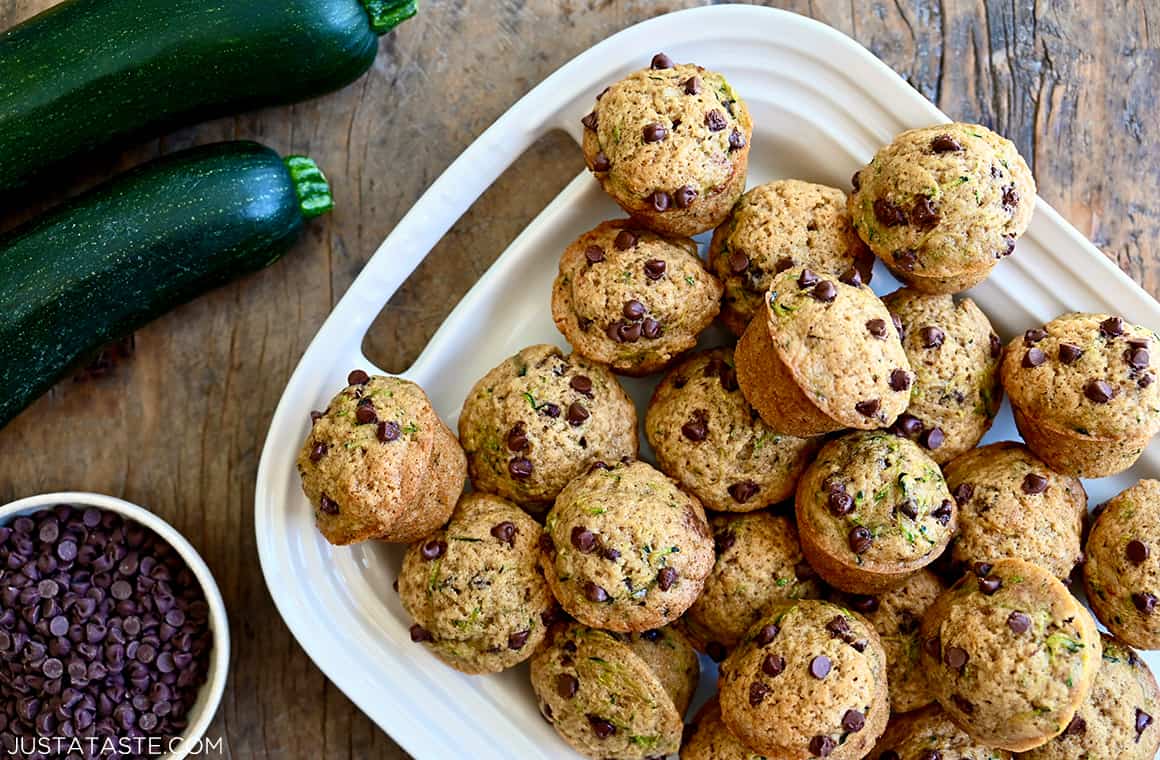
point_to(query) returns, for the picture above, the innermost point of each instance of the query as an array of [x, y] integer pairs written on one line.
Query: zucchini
[[87, 73], [110, 260]]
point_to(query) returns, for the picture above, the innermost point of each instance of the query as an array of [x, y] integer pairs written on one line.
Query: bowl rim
[[210, 697]]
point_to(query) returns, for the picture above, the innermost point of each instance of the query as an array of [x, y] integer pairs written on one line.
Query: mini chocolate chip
[[908, 508], [807, 279], [899, 380], [1137, 551], [594, 254], [1077, 727], [610, 554], [358, 377], [567, 685], [908, 425], [584, 540], [328, 505], [388, 431], [1009, 247], [982, 569], [945, 144], [963, 493], [577, 414], [1034, 335], [594, 593], [1018, 622], [736, 140], [933, 438], [906, 259], [1144, 601], [1144, 381], [738, 262], [822, 745], [942, 514], [581, 384], [924, 214], [692, 86], [433, 549], [601, 163], [654, 132], [697, 428], [851, 277], [877, 328], [315, 416], [1034, 484], [651, 328], [956, 657], [757, 693], [550, 410], [602, 728], [685, 196], [1143, 720], [931, 336], [666, 578], [840, 503], [365, 414], [716, 651], [1010, 198], [1068, 353], [589, 121], [318, 451], [506, 532], [868, 408], [824, 291], [783, 264], [888, 214], [930, 754], [856, 180], [654, 269], [661, 61], [853, 721], [996, 346], [743, 491], [1098, 391], [990, 584], [517, 438], [723, 541], [820, 667], [1112, 327], [1137, 358], [860, 539], [1034, 357], [517, 640], [419, 633], [625, 240], [838, 626], [767, 634], [773, 665], [520, 468]]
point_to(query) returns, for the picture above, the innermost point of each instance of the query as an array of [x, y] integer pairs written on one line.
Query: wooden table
[[179, 427]]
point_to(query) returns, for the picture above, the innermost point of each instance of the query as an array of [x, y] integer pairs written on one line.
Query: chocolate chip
[[1018, 622], [757, 693], [888, 214], [934, 438], [840, 503], [853, 721], [594, 254], [723, 541], [315, 416], [609, 554], [767, 634], [963, 493], [567, 685], [1144, 601], [908, 425], [738, 262], [358, 377], [1034, 357], [963, 703], [715, 120], [1077, 727], [942, 514], [982, 569], [697, 428], [945, 144], [1034, 484], [654, 269], [851, 277], [860, 539], [517, 438], [824, 291], [685, 196], [419, 634], [1098, 391], [868, 408], [822, 745], [365, 414], [820, 667], [1144, 381], [577, 414], [932, 647], [924, 214], [661, 61], [546, 544], [506, 532], [433, 549], [692, 86], [899, 380], [906, 259], [582, 384], [783, 264], [807, 279], [856, 180], [990, 584], [929, 754], [584, 540], [743, 491], [1143, 720], [317, 452], [602, 728], [931, 336], [716, 651], [736, 140], [520, 468], [650, 328], [328, 505], [996, 346], [1034, 335], [838, 626], [1137, 551], [589, 121], [1010, 198], [1069, 352], [956, 658], [666, 578], [877, 328], [1137, 358], [1112, 327], [594, 593], [908, 508], [601, 163], [1009, 247], [654, 132]]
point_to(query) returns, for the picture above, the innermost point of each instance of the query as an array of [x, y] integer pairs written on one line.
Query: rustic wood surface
[[179, 427]]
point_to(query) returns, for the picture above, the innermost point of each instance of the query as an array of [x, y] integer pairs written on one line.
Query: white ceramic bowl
[[210, 697]]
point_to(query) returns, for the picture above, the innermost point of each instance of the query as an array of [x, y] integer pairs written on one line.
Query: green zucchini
[[110, 260], [87, 73]]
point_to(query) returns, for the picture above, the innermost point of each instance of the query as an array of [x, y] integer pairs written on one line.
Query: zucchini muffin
[[610, 695], [1116, 719], [809, 680], [778, 226], [759, 562], [1011, 504], [707, 436], [896, 615], [540, 419], [475, 588], [1010, 654], [1122, 570], [1083, 391], [942, 205], [625, 549], [821, 356], [930, 735], [954, 354], [632, 299], [873, 509], [378, 463], [670, 144], [708, 738]]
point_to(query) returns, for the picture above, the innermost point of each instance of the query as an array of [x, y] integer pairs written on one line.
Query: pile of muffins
[[914, 603]]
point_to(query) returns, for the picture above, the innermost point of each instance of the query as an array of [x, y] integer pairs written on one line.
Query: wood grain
[[179, 427]]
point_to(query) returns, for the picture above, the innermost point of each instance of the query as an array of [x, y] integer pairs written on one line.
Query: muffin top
[[539, 419], [627, 550], [809, 677], [1116, 720], [1011, 504], [1010, 654], [777, 226], [838, 343], [707, 436], [930, 735], [1090, 375], [954, 354], [876, 502], [943, 200], [759, 561], [670, 129], [631, 298], [475, 588]]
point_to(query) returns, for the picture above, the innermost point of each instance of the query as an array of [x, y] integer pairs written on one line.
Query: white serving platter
[[821, 106]]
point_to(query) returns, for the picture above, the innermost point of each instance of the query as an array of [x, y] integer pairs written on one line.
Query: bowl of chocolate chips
[[113, 633]]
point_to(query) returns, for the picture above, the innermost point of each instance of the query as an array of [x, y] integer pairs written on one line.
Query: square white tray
[[821, 106]]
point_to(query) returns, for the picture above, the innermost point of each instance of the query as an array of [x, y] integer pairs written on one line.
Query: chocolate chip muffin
[[896, 615], [707, 436], [954, 354], [1010, 654], [809, 680], [475, 587], [632, 299], [1084, 393], [942, 205], [759, 562], [540, 419], [822, 355], [1121, 574], [379, 463], [777, 226], [670, 144], [625, 549], [1116, 719], [711, 739], [872, 509], [930, 735], [1011, 504], [606, 700]]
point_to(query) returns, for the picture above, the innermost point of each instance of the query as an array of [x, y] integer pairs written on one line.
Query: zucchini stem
[[387, 14], [314, 198]]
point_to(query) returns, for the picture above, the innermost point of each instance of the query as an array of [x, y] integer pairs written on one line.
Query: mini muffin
[[1116, 719], [930, 735], [872, 509], [670, 144], [1010, 654], [711, 739], [379, 463], [777, 226], [606, 699], [954, 354], [1011, 504], [625, 549], [941, 205], [707, 436], [475, 588], [809, 680], [540, 419], [1121, 574], [821, 355], [632, 299], [1084, 393], [759, 562], [896, 615]]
